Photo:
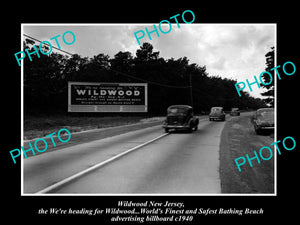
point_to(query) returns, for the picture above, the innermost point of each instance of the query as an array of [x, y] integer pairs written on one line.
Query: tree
[[46, 79], [96, 69], [121, 64], [74, 66], [145, 53], [43, 80], [266, 78]]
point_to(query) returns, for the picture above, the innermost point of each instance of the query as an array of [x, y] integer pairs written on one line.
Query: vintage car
[[180, 117], [217, 113], [263, 119], [235, 112]]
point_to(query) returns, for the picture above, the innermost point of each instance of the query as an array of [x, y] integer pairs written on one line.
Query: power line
[[148, 81], [47, 44], [121, 73]]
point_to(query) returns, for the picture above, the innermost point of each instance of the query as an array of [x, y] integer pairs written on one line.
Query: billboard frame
[[116, 108]]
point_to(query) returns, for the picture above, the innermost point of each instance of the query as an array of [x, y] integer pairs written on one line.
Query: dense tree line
[[46, 79], [269, 93]]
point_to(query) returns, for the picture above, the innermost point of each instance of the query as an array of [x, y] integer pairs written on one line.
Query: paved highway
[[183, 163]]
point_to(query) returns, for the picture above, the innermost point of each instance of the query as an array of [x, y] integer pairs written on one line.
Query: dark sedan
[[235, 112], [263, 120], [217, 113], [180, 117]]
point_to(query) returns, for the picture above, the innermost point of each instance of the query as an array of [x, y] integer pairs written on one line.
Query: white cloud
[[234, 51]]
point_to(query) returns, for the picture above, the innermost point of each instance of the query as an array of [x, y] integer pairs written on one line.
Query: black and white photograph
[[150, 115], [154, 118]]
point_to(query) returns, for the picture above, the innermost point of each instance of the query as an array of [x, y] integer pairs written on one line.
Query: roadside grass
[[40, 126], [238, 139]]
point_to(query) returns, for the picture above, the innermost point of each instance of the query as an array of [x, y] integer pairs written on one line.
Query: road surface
[[180, 162]]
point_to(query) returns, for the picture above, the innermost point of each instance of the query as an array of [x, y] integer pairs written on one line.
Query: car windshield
[[217, 110], [176, 111]]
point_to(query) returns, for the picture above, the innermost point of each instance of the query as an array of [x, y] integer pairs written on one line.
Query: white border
[[22, 113], [146, 194], [275, 109]]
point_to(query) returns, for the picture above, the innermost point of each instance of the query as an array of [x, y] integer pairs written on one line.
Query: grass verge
[[41, 126], [238, 138]]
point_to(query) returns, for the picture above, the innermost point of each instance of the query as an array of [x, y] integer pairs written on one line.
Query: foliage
[[266, 78], [46, 79]]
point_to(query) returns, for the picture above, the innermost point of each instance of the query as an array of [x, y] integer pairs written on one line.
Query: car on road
[[217, 113], [235, 112], [263, 119], [180, 117]]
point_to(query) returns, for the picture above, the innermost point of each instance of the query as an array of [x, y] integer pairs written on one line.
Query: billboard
[[107, 97]]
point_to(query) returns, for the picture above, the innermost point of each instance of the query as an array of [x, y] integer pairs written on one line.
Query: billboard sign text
[[107, 97]]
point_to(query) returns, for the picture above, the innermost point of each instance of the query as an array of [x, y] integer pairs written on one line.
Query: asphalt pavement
[[178, 163]]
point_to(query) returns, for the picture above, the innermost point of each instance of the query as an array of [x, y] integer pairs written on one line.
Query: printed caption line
[[77, 175]]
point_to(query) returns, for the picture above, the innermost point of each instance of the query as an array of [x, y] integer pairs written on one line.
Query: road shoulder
[[238, 138], [91, 135]]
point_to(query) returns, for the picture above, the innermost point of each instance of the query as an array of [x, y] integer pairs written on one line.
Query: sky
[[235, 51]]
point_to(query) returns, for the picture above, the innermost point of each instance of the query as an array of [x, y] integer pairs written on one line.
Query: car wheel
[[167, 130], [196, 128]]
